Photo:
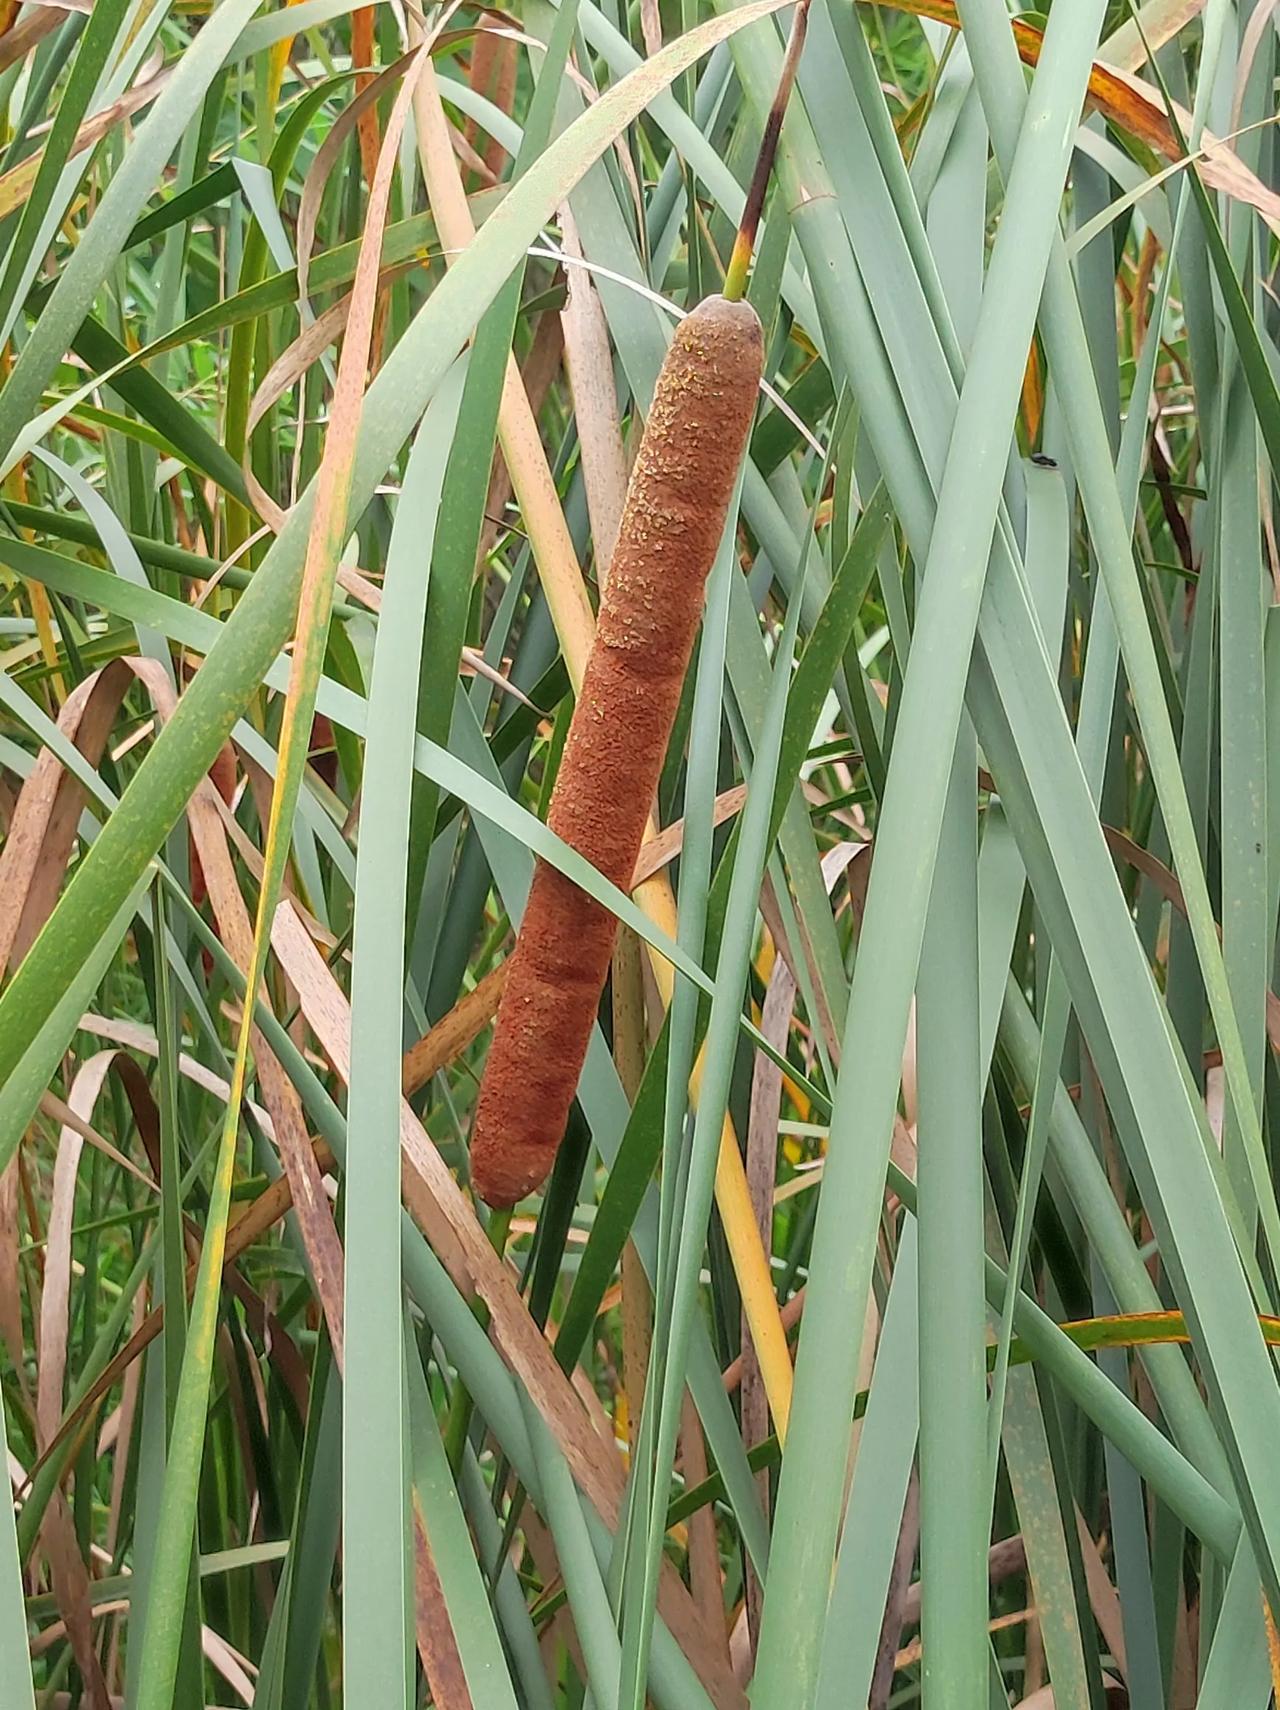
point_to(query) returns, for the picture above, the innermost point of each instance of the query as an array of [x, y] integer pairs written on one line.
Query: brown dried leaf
[[589, 361], [1104, 1599], [327, 156], [1166, 882], [650, 26], [1127, 47], [705, 1581], [62, 1113], [451, 1035], [55, 1301], [16, 184], [45, 821], [494, 63], [434, 1631], [661, 850], [10, 1279], [1137, 108], [70, 1579]]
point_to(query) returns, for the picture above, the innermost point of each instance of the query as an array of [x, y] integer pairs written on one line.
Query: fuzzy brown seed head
[[674, 516]]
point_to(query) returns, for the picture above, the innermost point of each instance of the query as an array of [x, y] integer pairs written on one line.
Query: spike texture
[[674, 516]]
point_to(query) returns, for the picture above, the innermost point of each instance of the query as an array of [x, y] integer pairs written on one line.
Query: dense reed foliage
[[895, 1322]]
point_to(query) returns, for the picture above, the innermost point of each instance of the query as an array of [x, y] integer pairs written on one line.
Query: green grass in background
[[921, 1181]]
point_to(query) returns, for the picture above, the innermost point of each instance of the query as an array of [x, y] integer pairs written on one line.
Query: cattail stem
[[735, 279]]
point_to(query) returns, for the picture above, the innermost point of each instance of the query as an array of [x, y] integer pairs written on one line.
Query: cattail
[[674, 516]]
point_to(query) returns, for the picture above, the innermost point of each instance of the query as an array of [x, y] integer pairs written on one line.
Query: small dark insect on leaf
[[1043, 461]]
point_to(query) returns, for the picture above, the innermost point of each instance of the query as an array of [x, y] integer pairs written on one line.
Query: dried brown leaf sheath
[[671, 526]]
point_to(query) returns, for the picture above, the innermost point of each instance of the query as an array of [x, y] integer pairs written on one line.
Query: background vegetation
[[929, 1128]]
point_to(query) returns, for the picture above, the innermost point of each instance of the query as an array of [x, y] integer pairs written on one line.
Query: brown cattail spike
[[674, 516]]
